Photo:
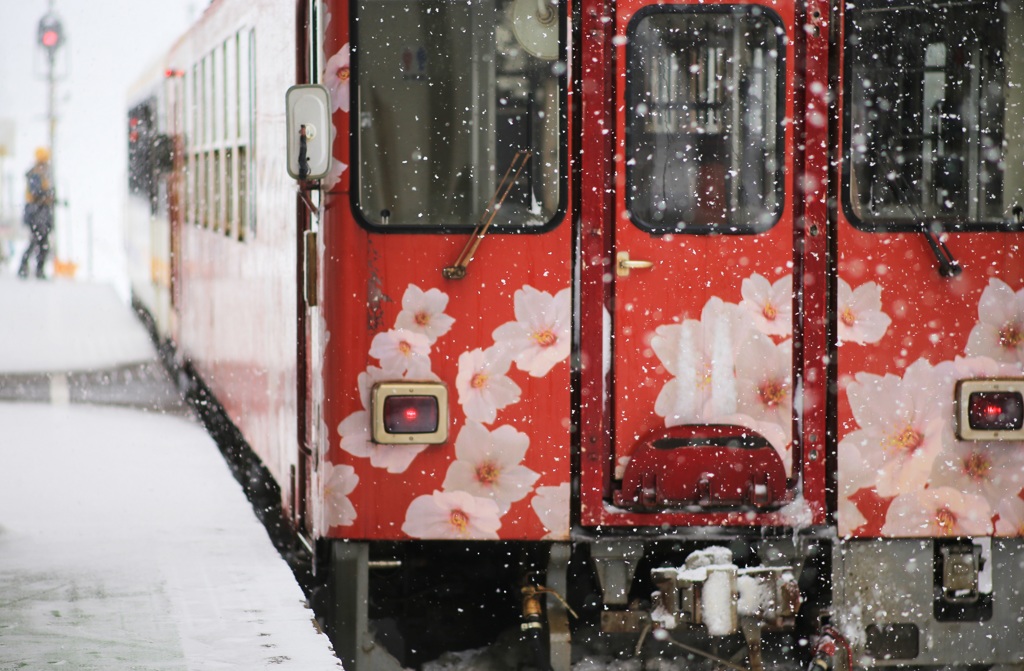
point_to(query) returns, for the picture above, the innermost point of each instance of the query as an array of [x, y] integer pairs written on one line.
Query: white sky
[[109, 44]]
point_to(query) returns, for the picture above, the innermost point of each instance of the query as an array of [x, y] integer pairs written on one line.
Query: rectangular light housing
[[409, 413], [990, 409]]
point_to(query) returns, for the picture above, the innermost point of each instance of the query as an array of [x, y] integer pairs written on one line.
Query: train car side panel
[[237, 303], [434, 152], [929, 274]]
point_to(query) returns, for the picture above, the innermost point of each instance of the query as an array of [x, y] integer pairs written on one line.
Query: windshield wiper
[[948, 265], [457, 270]]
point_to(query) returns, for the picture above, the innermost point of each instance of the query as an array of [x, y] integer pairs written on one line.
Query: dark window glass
[[704, 134], [446, 93], [935, 114]]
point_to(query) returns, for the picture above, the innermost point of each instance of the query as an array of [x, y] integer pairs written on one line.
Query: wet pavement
[[125, 542]]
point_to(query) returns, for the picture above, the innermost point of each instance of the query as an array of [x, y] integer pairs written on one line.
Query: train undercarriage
[[797, 601]]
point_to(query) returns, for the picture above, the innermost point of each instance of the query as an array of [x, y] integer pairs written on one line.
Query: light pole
[[50, 37]]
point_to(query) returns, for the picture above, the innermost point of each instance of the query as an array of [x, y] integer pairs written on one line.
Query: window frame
[[927, 222], [634, 81], [559, 214]]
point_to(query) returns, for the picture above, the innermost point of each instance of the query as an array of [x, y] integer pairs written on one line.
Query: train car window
[[246, 133], [217, 86], [141, 129], [934, 114], [230, 132], [704, 125], [204, 170], [446, 93], [193, 140]]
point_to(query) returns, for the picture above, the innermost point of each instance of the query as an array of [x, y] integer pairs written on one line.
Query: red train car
[[628, 325]]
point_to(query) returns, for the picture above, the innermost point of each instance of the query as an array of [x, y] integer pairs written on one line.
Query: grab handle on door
[[623, 264]]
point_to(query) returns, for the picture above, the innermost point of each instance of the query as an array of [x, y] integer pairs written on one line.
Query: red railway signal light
[[50, 33]]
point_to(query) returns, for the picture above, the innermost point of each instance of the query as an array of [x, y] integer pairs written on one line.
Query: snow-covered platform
[[125, 543]]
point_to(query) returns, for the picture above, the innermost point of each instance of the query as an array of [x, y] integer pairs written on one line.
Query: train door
[[704, 253], [175, 191]]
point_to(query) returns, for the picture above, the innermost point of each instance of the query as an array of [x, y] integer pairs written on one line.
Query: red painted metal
[[708, 467]]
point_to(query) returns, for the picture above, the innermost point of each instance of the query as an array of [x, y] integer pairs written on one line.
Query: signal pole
[[50, 37]]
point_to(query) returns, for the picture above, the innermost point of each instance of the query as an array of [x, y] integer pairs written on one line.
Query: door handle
[[623, 264]]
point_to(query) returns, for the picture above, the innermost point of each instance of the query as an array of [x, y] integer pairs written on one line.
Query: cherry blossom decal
[[550, 504], [941, 511], [401, 352], [486, 474], [733, 365], [452, 516], [423, 312], [859, 313], [901, 424], [339, 480], [539, 338], [488, 464], [903, 471], [770, 305], [999, 333], [336, 77], [355, 429], [482, 383], [404, 354]]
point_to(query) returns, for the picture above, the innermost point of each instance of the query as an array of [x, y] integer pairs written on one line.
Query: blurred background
[[105, 45]]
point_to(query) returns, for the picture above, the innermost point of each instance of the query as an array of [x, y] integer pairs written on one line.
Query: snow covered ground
[[125, 543], [66, 326]]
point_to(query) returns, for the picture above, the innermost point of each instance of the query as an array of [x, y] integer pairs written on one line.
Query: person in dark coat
[[38, 213]]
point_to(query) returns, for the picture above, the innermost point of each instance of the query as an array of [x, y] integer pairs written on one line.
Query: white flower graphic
[[854, 475], [402, 351], [339, 480], [940, 511], [860, 316], [355, 429], [770, 305], [337, 168], [764, 381], [1011, 517], [901, 423], [701, 357], [539, 338], [488, 464], [337, 73], [355, 439], [999, 333], [552, 507], [849, 516], [993, 470], [680, 348], [482, 384], [452, 515], [423, 312]]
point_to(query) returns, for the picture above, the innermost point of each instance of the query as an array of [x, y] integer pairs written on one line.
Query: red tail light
[[996, 411], [990, 409], [410, 414]]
